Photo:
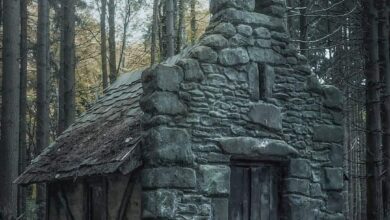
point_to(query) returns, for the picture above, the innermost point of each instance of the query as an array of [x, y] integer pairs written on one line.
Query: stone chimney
[[268, 13], [244, 94]]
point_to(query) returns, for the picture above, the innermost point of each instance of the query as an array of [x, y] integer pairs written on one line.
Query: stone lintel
[[254, 147]]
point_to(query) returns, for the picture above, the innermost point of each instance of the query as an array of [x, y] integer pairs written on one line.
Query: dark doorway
[[97, 199], [254, 191]]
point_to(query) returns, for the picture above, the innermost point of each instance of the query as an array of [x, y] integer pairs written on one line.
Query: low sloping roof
[[103, 140]]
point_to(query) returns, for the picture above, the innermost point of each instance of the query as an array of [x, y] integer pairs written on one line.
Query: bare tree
[[103, 42], [10, 114], [373, 111], [111, 40]]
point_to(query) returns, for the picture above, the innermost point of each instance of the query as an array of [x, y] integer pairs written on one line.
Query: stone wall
[[245, 92]]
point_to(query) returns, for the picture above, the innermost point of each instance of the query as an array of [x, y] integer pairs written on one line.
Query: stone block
[[263, 43], [264, 55], [304, 69], [214, 179], [313, 84], [233, 56], [235, 16], [328, 133], [292, 60], [299, 168], [192, 70], [163, 103], [220, 207], [204, 54], [233, 75], [162, 77], [262, 32], [335, 202], [267, 115], [337, 216], [226, 29], [301, 207], [266, 3], [241, 41], [336, 155], [316, 190], [267, 80], [300, 186], [333, 179], [245, 30], [274, 10], [159, 204], [216, 5], [189, 209], [168, 146], [254, 81], [217, 41], [168, 177], [338, 117], [333, 97], [250, 147], [281, 38]]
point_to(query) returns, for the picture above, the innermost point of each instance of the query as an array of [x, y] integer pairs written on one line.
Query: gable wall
[[67, 199], [243, 84]]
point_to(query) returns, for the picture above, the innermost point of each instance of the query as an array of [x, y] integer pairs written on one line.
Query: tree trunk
[[193, 21], [23, 102], [162, 30], [10, 114], [303, 27], [153, 47], [103, 42], [384, 56], [126, 23], [373, 111], [1, 12], [61, 89], [111, 40], [180, 29], [67, 69], [170, 28], [43, 73]]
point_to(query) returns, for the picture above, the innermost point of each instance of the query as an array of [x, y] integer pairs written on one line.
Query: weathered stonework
[[242, 92]]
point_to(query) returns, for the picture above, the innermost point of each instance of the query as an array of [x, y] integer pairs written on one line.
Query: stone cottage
[[236, 127]]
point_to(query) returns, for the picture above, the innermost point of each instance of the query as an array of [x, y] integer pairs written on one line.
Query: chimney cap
[[217, 5]]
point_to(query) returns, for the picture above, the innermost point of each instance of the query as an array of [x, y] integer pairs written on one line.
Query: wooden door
[[254, 192], [96, 200]]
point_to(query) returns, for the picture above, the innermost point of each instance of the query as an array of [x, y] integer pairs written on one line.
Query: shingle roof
[[103, 140]]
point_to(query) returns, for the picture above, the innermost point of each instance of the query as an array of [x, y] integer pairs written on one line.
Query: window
[[254, 191]]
